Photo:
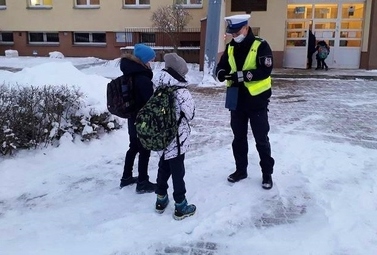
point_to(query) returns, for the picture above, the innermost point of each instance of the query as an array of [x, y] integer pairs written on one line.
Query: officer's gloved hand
[[235, 77], [221, 75]]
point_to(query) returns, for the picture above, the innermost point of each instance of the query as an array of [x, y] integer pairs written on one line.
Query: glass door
[[339, 24], [348, 39], [296, 37], [325, 23]]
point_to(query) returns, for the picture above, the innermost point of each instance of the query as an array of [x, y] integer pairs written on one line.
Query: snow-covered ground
[[66, 200]]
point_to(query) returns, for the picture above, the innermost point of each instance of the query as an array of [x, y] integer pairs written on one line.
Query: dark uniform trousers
[[260, 128], [174, 167], [134, 148]]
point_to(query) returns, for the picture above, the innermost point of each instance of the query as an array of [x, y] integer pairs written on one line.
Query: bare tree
[[171, 20]]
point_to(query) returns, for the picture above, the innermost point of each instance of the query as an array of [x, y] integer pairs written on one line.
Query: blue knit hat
[[144, 52]]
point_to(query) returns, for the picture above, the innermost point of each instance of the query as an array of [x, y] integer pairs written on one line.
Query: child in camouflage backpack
[[172, 157], [323, 51]]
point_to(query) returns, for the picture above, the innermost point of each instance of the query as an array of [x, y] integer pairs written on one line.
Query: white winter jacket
[[183, 103]]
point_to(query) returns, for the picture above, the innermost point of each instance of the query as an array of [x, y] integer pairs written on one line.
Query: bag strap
[[174, 74]]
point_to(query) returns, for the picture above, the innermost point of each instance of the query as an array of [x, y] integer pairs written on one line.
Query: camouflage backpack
[[323, 52], [156, 123]]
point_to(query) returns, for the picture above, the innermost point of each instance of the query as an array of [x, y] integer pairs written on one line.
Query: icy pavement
[[324, 140], [338, 111], [331, 110]]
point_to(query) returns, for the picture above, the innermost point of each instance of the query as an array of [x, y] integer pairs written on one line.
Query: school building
[[101, 28]]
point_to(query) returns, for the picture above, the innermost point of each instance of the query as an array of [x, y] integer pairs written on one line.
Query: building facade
[[96, 28], [100, 28], [348, 26]]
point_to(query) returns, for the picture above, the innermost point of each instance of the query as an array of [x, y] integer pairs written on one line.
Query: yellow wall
[[63, 17], [271, 23]]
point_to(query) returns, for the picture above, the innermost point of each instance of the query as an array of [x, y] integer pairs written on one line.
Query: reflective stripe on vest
[[254, 87]]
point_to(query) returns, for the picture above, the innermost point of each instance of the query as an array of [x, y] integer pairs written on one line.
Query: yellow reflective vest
[[254, 87]]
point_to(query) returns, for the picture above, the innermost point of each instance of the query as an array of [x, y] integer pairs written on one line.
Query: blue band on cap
[[239, 25]]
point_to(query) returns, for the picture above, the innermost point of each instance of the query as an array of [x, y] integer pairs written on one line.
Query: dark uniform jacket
[[142, 79], [264, 67]]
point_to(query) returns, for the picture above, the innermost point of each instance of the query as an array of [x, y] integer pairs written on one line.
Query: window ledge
[[6, 43], [135, 6], [40, 7], [86, 7], [44, 44], [191, 6], [3, 7], [89, 44]]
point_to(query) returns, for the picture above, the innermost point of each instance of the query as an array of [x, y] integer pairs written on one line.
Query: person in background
[[172, 158], [137, 65], [323, 50], [311, 48], [246, 64]]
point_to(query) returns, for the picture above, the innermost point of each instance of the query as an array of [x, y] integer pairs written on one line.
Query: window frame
[[90, 43], [249, 6], [3, 6], [145, 36], [123, 37], [189, 5], [6, 42], [137, 5], [44, 42], [87, 5], [42, 6]]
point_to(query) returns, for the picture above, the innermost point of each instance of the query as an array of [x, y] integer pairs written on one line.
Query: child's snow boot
[[161, 203], [183, 210]]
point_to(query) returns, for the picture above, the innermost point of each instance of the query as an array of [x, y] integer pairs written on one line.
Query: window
[[87, 3], [6, 37], [40, 3], [190, 3], [43, 38], [89, 38], [328, 11], [148, 38], [136, 3], [300, 11], [123, 37], [3, 4], [248, 6]]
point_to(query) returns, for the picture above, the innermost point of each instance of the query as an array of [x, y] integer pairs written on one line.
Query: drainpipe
[[212, 35]]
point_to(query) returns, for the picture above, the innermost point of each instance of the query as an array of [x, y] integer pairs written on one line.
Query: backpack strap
[[174, 74]]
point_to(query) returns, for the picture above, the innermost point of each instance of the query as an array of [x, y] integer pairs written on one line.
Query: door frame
[[340, 56]]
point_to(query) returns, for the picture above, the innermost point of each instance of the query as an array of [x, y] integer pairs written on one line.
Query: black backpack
[[120, 97]]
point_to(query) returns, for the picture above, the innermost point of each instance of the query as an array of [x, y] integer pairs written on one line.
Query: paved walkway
[[322, 74], [329, 109], [335, 110]]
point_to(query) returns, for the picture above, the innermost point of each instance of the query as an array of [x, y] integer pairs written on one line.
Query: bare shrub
[[31, 117]]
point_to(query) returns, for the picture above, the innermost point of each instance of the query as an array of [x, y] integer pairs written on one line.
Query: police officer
[[246, 64]]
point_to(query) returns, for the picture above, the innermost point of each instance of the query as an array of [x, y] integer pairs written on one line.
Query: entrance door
[[296, 46], [296, 36], [340, 25]]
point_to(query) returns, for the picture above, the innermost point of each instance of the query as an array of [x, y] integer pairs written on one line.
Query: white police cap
[[236, 22]]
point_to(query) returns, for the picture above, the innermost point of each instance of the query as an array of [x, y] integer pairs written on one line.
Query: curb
[[316, 76]]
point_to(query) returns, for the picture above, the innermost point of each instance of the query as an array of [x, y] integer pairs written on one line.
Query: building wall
[[273, 32], [370, 60], [111, 16], [65, 18]]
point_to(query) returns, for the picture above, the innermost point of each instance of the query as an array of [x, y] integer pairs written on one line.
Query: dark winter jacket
[[311, 43], [142, 78], [241, 50]]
